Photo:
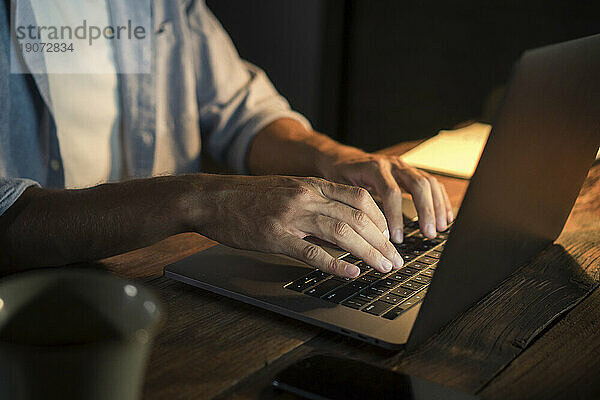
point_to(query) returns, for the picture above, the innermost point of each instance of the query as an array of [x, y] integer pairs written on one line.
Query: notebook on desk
[[452, 152]]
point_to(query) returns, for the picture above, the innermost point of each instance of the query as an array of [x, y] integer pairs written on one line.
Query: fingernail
[[352, 270], [398, 261], [398, 235], [386, 233], [441, 222], [386, 264], [450, 216], [430, 230]]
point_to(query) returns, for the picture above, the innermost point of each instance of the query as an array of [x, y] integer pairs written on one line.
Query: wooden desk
[[536, 336]]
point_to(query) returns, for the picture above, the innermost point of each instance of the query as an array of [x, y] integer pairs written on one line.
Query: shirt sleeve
[[236, 99], [11, 189]]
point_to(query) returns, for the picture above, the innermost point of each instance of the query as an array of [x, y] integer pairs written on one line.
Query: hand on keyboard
[[389, 177], [275, 213], [377, 293]]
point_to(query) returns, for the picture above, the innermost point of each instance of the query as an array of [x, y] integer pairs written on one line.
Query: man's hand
[[388, 176], [274, 213], [287, 147]]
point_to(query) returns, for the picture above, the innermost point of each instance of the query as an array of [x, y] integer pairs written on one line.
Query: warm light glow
[[130, 290], [454, 153], [150, 306], [1, 304]]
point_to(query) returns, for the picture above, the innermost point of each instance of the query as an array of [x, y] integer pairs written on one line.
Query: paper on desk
[[453, 152]]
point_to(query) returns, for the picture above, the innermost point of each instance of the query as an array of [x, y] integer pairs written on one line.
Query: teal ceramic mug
[[74, 334]]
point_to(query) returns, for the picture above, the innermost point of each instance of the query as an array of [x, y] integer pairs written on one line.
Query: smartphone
[[325, 377]]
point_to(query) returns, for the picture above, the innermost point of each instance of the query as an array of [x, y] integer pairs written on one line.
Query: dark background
[[374, 73]]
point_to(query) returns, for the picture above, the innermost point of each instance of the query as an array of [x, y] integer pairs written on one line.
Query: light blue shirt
[[199, 92]]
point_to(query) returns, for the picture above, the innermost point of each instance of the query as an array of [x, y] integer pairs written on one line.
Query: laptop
[[544, 140]]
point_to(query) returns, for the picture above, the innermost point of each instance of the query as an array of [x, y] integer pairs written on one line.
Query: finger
[[360, 222], [341, 233], [356, 197], [420, 189], [315, 256], [386, 186], [439, 204], [449, 211]]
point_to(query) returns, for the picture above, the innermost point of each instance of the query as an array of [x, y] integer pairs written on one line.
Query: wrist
[[189, 209], [330, 153]]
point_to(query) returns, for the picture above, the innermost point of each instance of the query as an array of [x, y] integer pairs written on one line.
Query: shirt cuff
[[11, 189]]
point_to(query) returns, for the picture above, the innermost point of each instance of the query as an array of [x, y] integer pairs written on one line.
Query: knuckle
[[422, 183], [302, 192], [386, 246], [342, 230], [360, 194], [333, 266], [381, 162], [372, 254], [393, 191], [432, 180], [360, 217], [310, 253]]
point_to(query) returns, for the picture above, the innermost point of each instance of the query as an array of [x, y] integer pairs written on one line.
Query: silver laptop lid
[[543, 142]]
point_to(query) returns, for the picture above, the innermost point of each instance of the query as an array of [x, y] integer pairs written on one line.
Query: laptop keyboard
[[382, 294]]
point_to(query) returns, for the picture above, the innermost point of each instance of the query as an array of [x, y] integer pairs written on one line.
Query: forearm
[[55, 227], [287, 147]]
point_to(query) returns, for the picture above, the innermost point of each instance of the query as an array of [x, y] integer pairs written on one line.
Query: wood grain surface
[[535, 336]]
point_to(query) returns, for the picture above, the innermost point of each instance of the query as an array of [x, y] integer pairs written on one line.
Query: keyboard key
[[318, 275], [418, 265], [324, 288], [408, 271], [393, 313], [367, 279], [386, 283], [392, 298], [422, 279], [419, 296], [398, 276], [300, 285], [409, 257], [443, 235], [375, 273], [342, 279], [342, 293], [404, 246], [307, 281], [377, 290], [428, 244], [363, 267], [368, 295], [412, 285], [428, 272], [435, 254], [350, 258], [408, 304], [354, 303], [412, 225], [402, 292], [377, 308], [361, 284], [428, 260]]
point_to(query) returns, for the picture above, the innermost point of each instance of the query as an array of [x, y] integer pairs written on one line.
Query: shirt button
[[55, 164], [147, 138]]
